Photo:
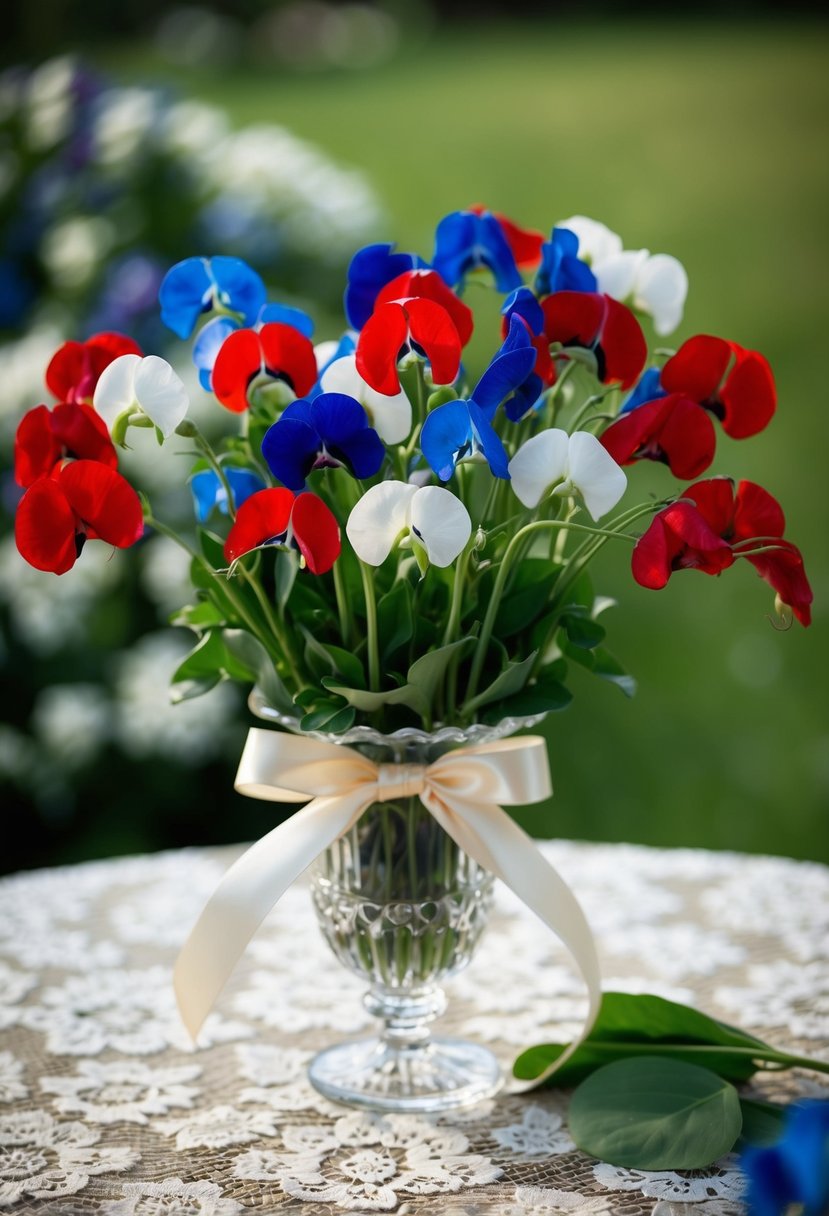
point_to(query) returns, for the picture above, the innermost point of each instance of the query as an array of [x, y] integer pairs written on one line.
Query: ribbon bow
[[464, 791]]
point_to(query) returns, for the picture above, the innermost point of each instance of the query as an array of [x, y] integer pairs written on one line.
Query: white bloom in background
[[131, 383], [189, 128], [567, 464], [72, 720], [165, 573], [654, 283], [21, 374], [126, 119], [146, 722], [48, 103], [74, 250], [429, 515], [391, 417]]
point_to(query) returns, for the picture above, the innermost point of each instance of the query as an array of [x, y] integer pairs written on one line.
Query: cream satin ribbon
[[464, 790]]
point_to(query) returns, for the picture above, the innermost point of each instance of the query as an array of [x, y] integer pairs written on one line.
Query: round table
[[106, 1107]]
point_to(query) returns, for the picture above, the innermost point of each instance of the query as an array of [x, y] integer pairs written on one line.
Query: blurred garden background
[[292, 133]]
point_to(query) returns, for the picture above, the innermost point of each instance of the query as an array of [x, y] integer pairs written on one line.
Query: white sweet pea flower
[[131, 383], [567, 464], [429, 515], [391, 417], [661, 288]]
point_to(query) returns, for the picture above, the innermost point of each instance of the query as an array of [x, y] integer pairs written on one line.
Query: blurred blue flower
[[649, 388], [795, 1170], [209, 493]]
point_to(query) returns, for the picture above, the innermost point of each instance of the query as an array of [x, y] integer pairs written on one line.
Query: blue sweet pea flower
[[209, 493], [794, 1172], [561, 268], [330, 431], [370, 270], [466, 241], [523, 303], [649, 388], [460, 429], [197, 285]]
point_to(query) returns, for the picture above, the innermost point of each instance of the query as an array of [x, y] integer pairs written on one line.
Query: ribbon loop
[[464, 790]]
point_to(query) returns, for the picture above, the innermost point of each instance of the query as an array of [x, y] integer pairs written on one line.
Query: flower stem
[[371, 628], [275, 626]]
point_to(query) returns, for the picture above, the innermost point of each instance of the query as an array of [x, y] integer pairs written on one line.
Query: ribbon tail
[[496, 842], [246, 894]]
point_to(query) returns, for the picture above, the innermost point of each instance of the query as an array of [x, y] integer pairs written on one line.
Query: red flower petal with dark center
[[76, 367], [316, 533], [428, 285], [287, 352], [260, 518], [70, 429], [390, 327], [756, 513], [678, 538], [433, 329], [698, 367], [733, 383], [278, 350], [45, 528], [603, 325], [103, 501], [748, 397], [714, 500], [672, 429]]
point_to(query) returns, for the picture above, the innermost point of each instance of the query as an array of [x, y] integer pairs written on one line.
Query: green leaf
[[427, 672], [395, 620], [510, 681], [546, 695], [331, 716], [207, 664], [601, 663], [212, 548], [250, 653], [205, 615], [582, 631], [286, 567], [527, 598], [655, 1114], [369, 702], [629, 1024], [762, 1123], [326, 660]]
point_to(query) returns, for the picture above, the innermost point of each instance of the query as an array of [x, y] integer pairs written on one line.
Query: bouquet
[[387, 538]]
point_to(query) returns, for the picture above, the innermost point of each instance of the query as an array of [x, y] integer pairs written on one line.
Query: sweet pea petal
[[446, 437], [661, 289], [596, 241], [378, 519], [263, 517], [160, 393], [370, 269], [617, 275], [508, 370], [379, 345], [595, 474], [115, 390], [45, 528], [238, 362], [238, 286], [539, 463], [185, 293], [749, 397], [288, 353], [210, 340], [209, 493], [316, 533], [285, 314], [441, 523], [488, 441], [433, 329], [678, 538], [391, 417], [290, 448], [105, 502]]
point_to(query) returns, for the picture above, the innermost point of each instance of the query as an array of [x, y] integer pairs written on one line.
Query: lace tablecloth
[[105, 1107]]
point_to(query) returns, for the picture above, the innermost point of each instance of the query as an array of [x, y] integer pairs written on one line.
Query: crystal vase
[[403, 908]]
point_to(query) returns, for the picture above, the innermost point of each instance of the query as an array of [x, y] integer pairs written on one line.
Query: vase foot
[[425, 1079]]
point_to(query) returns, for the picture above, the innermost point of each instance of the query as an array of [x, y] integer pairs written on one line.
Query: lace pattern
[[106, 1107]]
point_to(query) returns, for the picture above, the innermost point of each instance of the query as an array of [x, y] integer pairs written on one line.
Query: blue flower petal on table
[[561, 268], [466, 241], [209, 493]]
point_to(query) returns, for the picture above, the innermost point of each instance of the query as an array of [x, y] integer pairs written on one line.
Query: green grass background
[[707, 141]]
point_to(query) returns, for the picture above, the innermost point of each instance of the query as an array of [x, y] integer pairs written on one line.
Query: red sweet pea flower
[[278, 517], [601, 324], [397, 324], [76, 367], [673, 429], [84, 500], [428, 285], [46, 437], [735, 384], [276, 350], [713, 529], [525, 243]]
